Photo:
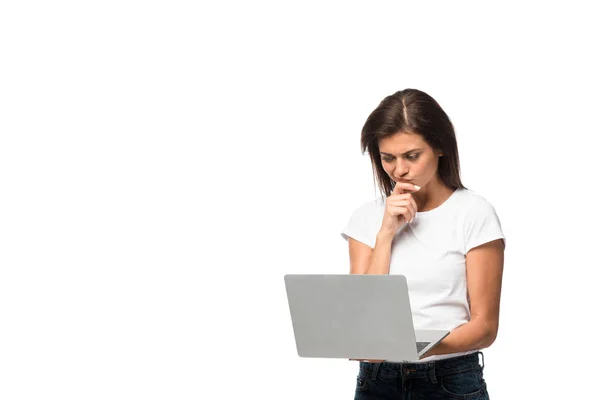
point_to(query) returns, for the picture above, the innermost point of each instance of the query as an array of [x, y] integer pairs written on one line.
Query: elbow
[[489, 339], [489, 332]]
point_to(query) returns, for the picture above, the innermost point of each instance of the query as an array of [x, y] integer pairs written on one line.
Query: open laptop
[[356, 317]]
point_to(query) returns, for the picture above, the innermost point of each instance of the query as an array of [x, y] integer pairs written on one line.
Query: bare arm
[[485, 264], [365, 260]]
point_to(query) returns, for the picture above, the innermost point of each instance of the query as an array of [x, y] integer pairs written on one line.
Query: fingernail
[[417, 187]]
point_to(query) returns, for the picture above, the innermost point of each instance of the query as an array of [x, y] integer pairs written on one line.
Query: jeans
[[453, 378]]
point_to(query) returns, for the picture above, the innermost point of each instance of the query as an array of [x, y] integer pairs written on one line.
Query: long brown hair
[[412, 111]]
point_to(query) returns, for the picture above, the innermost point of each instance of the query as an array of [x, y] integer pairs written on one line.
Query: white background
[[164, 164]]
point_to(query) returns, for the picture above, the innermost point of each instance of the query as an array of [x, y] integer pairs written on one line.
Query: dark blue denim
[[452, 378]]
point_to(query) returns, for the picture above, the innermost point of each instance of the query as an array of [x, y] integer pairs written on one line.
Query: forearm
[[473, 335], [380, 258]]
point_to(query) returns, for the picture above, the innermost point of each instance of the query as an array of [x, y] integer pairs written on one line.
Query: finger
[[397, 189], [397, 210], [402, 211], [406, 200], [399, 202], [414, 203], [401, 196], [402, 187], [413, 207], [408, 216], [400, 205]]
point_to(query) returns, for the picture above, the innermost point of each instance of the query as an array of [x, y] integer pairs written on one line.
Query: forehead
[[402, 142]]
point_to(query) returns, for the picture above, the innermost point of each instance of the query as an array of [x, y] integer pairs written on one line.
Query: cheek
[[426, 166], [430, 169], [388, 169], [419, 168]]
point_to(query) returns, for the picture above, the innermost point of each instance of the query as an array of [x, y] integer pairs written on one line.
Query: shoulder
[[481, 223], [474, 203], [371, 207], [365, 221], [472, 209]]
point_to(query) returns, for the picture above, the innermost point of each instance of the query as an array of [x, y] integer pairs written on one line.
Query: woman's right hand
[[400, 207]]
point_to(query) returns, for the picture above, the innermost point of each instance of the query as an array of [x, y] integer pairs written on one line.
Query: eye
[[412, 157], [388, 159]]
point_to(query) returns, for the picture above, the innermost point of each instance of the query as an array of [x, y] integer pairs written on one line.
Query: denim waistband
[[431, 370]]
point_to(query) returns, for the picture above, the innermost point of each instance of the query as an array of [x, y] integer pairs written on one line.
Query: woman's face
[[406, 157]]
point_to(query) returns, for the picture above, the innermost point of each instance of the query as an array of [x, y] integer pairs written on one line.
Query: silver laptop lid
[[351, 316]]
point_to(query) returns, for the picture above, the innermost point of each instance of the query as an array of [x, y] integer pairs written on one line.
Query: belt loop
[[482, 360], [432, 372], [375, 370]]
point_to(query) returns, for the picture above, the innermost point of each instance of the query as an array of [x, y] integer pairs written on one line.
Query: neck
[[432, 195]]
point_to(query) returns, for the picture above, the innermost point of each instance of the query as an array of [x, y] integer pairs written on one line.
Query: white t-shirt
[[431, 253]]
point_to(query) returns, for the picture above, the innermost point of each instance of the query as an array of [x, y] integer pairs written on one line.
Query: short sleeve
[[482, 226], [362, 225]]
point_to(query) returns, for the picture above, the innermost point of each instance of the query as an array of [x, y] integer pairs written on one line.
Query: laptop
[[362, 317]]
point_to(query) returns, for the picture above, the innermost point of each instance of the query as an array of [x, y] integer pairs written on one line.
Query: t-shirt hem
[[347, 233], [480, 241]]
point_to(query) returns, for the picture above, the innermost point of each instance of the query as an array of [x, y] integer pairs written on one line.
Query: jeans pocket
[[361, 382], [463, 385]]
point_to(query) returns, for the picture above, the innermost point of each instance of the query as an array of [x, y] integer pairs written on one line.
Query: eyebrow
[[403, 154]]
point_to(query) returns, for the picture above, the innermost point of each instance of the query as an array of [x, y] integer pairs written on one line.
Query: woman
[[447, 241]]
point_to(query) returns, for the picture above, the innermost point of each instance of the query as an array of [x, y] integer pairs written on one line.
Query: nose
[[401, 169]]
